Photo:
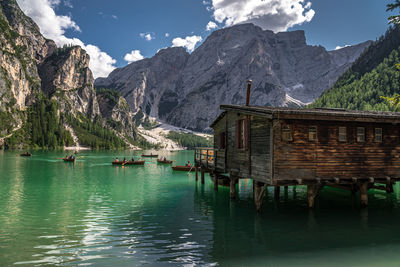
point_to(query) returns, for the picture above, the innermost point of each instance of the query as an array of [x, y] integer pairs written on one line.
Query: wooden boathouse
[[277, 146]]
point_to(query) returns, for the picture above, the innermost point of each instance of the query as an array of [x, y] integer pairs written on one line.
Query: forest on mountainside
[[373, 75]]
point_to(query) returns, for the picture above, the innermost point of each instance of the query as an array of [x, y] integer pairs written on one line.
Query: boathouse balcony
[[205, 158]]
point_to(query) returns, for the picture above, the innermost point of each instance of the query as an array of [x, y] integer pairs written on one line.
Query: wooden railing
[[205, 157]]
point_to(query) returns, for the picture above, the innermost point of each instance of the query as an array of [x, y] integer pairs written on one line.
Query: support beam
[[286, 188], [277, 191], [202, 175], [364, 194], [259, 192], [232, 185], [215, 178], [354, 189], [312, 192], [197, 173], [389, 188]]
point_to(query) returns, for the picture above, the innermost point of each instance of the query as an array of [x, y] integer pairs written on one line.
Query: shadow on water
[[289, 233]]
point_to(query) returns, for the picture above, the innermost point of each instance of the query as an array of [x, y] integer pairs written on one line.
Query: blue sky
[[109, 30]]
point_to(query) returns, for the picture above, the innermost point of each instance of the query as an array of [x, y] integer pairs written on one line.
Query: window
[[286, 133], [222, 144], [342, 134], [241, 134], [312, 133], [378, 134], [360, 134]]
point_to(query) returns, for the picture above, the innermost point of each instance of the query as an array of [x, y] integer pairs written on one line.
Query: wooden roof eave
[[343, 118], [248, 111], [309, 114]]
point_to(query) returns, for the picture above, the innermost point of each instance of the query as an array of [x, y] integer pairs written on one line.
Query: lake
[[93, 213]]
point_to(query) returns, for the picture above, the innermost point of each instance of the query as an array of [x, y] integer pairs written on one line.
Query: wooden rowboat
[[164, 161], [25, 154], [183, 168], [138, 162], [69, 160], [150, 156]]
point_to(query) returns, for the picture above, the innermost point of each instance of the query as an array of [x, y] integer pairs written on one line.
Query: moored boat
[[164, 161], [26, 154], [69, 160], [138, 162], [150, 156], [184, 168]]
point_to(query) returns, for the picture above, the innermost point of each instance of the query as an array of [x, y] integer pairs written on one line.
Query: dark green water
[[92, 213]]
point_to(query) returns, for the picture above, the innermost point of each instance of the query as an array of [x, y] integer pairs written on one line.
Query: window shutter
[[237, 134], [246, 133]]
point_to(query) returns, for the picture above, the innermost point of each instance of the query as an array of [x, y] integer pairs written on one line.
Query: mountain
[[47, 94], [186, 90], [373, 74]]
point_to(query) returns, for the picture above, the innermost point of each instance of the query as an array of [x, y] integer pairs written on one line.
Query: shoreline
[[76, 148]]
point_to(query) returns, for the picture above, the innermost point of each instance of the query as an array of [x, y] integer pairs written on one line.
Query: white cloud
[[53, 27], [148, 36], [114, 16], [211, 25], [189, 42], [206, 3], [68, 3], [275, 15], [340, 47], [167, 34], [133, 56]]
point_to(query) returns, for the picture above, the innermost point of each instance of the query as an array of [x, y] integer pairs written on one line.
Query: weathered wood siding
[[237, 159], [328, 158], [260, 148], [253, 162], [220, 153]]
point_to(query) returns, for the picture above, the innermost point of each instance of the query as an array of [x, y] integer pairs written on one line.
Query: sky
[[118, 32]]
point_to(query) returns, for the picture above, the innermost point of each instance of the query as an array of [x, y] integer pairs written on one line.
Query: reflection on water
[[92, 213]]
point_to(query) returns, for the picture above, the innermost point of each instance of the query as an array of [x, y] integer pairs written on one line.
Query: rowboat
[[25, 154], [69, 160], [138, 162], [164, 161], [150, 156], [183, 168]]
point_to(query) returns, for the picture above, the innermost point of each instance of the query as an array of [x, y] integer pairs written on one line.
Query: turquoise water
[[92, 213]]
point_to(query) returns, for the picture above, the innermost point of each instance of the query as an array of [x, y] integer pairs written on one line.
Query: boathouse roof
[[332, 114]]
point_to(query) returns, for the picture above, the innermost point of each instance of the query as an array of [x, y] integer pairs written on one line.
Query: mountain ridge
[[284, 69]]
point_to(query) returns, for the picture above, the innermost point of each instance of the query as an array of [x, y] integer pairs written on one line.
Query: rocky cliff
[[66, 77], [186, 90], [150, 84], [35, 74], [115, 109], [22, 48]]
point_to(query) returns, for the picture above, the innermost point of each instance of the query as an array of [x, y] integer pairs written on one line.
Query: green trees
[[44, 126], [373, 75], [390, 7], [189, 140], [93, 133]]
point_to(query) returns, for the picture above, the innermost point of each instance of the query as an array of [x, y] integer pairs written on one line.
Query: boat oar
[[190, 169]]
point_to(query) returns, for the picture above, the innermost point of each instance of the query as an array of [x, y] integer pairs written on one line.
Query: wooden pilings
[[312, 192], [201, 176], [364, 194], [232, 185], [277, 191], [259, 192], [197, 173]]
